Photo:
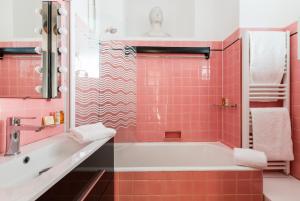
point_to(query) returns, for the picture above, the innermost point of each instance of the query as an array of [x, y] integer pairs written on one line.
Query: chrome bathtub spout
[[13, 129]]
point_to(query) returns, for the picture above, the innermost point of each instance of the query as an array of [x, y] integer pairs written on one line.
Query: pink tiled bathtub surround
[[295, 99], [230, 123], [232, 85], [232, 89], [178, 94], [189, 186]]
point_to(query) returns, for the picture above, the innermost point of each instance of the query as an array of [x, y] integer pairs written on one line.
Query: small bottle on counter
[[62, 117], [223, 101], [48, 120], [226, 102], [57, 118]]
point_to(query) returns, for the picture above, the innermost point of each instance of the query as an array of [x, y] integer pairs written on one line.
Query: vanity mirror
[[31, 48], [298, 39]]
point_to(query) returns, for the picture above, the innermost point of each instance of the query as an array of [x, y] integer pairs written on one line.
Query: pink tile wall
[[178, 94], [172, 94], [232, 69], [232, 38], [189, 186], [28, 108], [295, 100], [232, 86], [18, 75]]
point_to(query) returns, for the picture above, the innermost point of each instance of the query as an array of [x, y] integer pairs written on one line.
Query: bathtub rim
[[179, 168]]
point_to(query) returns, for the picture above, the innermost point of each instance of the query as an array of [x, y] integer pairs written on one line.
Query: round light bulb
[[62, 12], [63, 89], [62, 69], [62, 50], [38, 50], [39, 89], [38, 69], [38, 30], [62, 30]]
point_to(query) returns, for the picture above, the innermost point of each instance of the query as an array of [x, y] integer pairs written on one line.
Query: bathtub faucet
[[13, 129]]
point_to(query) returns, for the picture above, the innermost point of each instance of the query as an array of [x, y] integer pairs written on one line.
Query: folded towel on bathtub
[[272, 133], [250, 158], [91, 132]]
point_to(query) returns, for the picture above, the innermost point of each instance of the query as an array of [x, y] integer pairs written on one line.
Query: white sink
[[16, 171], [40, 165]]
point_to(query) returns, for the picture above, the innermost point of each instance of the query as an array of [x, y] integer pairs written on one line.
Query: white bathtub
[[198, 156]]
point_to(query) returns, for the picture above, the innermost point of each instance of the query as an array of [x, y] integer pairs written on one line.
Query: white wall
[[216, 19], [213, 19], [80, 9], [84, 42], [179, 17], [26, 19], [110, 14], [268, 13], [6, 28], [19, 19], [184, 19]]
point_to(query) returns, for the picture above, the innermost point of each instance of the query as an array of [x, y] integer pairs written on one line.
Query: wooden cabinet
[[92, 180]]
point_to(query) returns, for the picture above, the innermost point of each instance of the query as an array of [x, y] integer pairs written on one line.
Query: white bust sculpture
[[156, 19]]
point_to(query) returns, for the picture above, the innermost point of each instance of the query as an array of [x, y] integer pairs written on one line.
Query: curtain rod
[[173, 56], [173, 50]]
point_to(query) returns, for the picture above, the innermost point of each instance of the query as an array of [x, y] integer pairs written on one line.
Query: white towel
[[268, 50], [250, 158], [91, 132], [272, 133]]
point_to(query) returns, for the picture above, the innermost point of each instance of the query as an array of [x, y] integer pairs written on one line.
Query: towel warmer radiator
[[259, 92]]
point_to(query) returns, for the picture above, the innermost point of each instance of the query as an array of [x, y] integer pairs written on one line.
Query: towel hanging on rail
[[268, 57], [272, 133]]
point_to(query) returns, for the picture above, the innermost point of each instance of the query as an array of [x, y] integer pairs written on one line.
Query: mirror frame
[[51, 54], [298, 25]]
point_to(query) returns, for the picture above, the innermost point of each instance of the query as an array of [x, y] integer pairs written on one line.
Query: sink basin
[[29, 165], [40, 165]]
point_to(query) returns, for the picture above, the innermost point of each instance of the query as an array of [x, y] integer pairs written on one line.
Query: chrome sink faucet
[[13, 129]]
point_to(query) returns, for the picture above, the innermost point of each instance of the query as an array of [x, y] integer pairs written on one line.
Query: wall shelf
[[230, 106]]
